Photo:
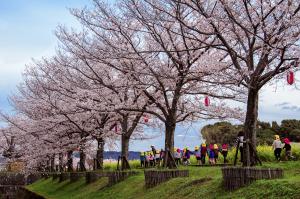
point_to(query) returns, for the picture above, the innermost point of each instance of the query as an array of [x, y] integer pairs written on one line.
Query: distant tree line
[[225, 132]]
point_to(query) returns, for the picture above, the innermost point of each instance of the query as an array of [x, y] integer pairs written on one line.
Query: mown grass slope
[[209, 186]]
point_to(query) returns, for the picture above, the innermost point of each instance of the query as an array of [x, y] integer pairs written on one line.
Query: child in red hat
[[288, 149]]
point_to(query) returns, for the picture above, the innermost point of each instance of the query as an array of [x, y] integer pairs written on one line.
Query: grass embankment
[[181, 188]]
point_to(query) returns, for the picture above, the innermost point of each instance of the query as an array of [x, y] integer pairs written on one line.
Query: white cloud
[[190, 136]]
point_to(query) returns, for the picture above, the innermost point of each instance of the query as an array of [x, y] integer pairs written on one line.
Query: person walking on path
[[277, 145], [240, 140], [211, 155], [147, 161], [288, 149], [203, 150], [186, 156], [224, 152], [177, 155], [157, 158], [153, 152], [197, 154], [152, 159], [216, 152], [142, 158]]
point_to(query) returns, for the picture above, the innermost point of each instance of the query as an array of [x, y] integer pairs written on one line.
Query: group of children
[[278, 145], [153, 158], [212, 151]]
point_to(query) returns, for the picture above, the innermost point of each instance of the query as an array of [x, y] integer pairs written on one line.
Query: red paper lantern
[[146, 119], [206, 101], [116, 128], [290, 77]]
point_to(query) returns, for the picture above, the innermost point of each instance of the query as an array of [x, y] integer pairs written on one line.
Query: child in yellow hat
[[216, 152], [203, 151], [197, 154]]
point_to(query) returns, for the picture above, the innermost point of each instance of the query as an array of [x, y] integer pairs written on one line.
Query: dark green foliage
[[263, 125], [295, 135], [275, 126], [290, 125], [225, 132], [265, 136], [221, 132]]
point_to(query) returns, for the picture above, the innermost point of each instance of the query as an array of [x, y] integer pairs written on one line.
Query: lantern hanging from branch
[[206, 101], [290, 77]]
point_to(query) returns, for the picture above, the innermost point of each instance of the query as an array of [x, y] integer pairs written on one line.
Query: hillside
[[202, 183]]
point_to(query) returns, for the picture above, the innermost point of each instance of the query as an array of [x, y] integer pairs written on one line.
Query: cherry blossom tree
[[8, 145], [260, 38], [131, 61], [118, 89], [52, 103], [149, 49]]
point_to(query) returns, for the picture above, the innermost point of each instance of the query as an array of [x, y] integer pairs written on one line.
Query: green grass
[[179, 188], [134, 164]]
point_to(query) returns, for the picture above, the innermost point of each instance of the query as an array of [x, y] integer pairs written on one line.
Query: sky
[[27, 32]]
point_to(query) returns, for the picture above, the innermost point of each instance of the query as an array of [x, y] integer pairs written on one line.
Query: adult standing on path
[[240, 140], [153, 151]]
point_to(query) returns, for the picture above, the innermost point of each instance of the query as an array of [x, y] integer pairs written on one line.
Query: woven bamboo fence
[[93, 176], [46, 175], [55, 176], [236, 177], [64, 176], [10, 178], [18, 179], [74, 176], [33, 177], [154, 178]]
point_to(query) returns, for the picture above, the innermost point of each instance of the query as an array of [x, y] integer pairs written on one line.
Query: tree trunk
[[124, 151], [61, 162], [48, 167], [250, 127], [52, 163], [99, 155], [40, 167], [169, 145], [82, 157], [125, 146], [70, 161]]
